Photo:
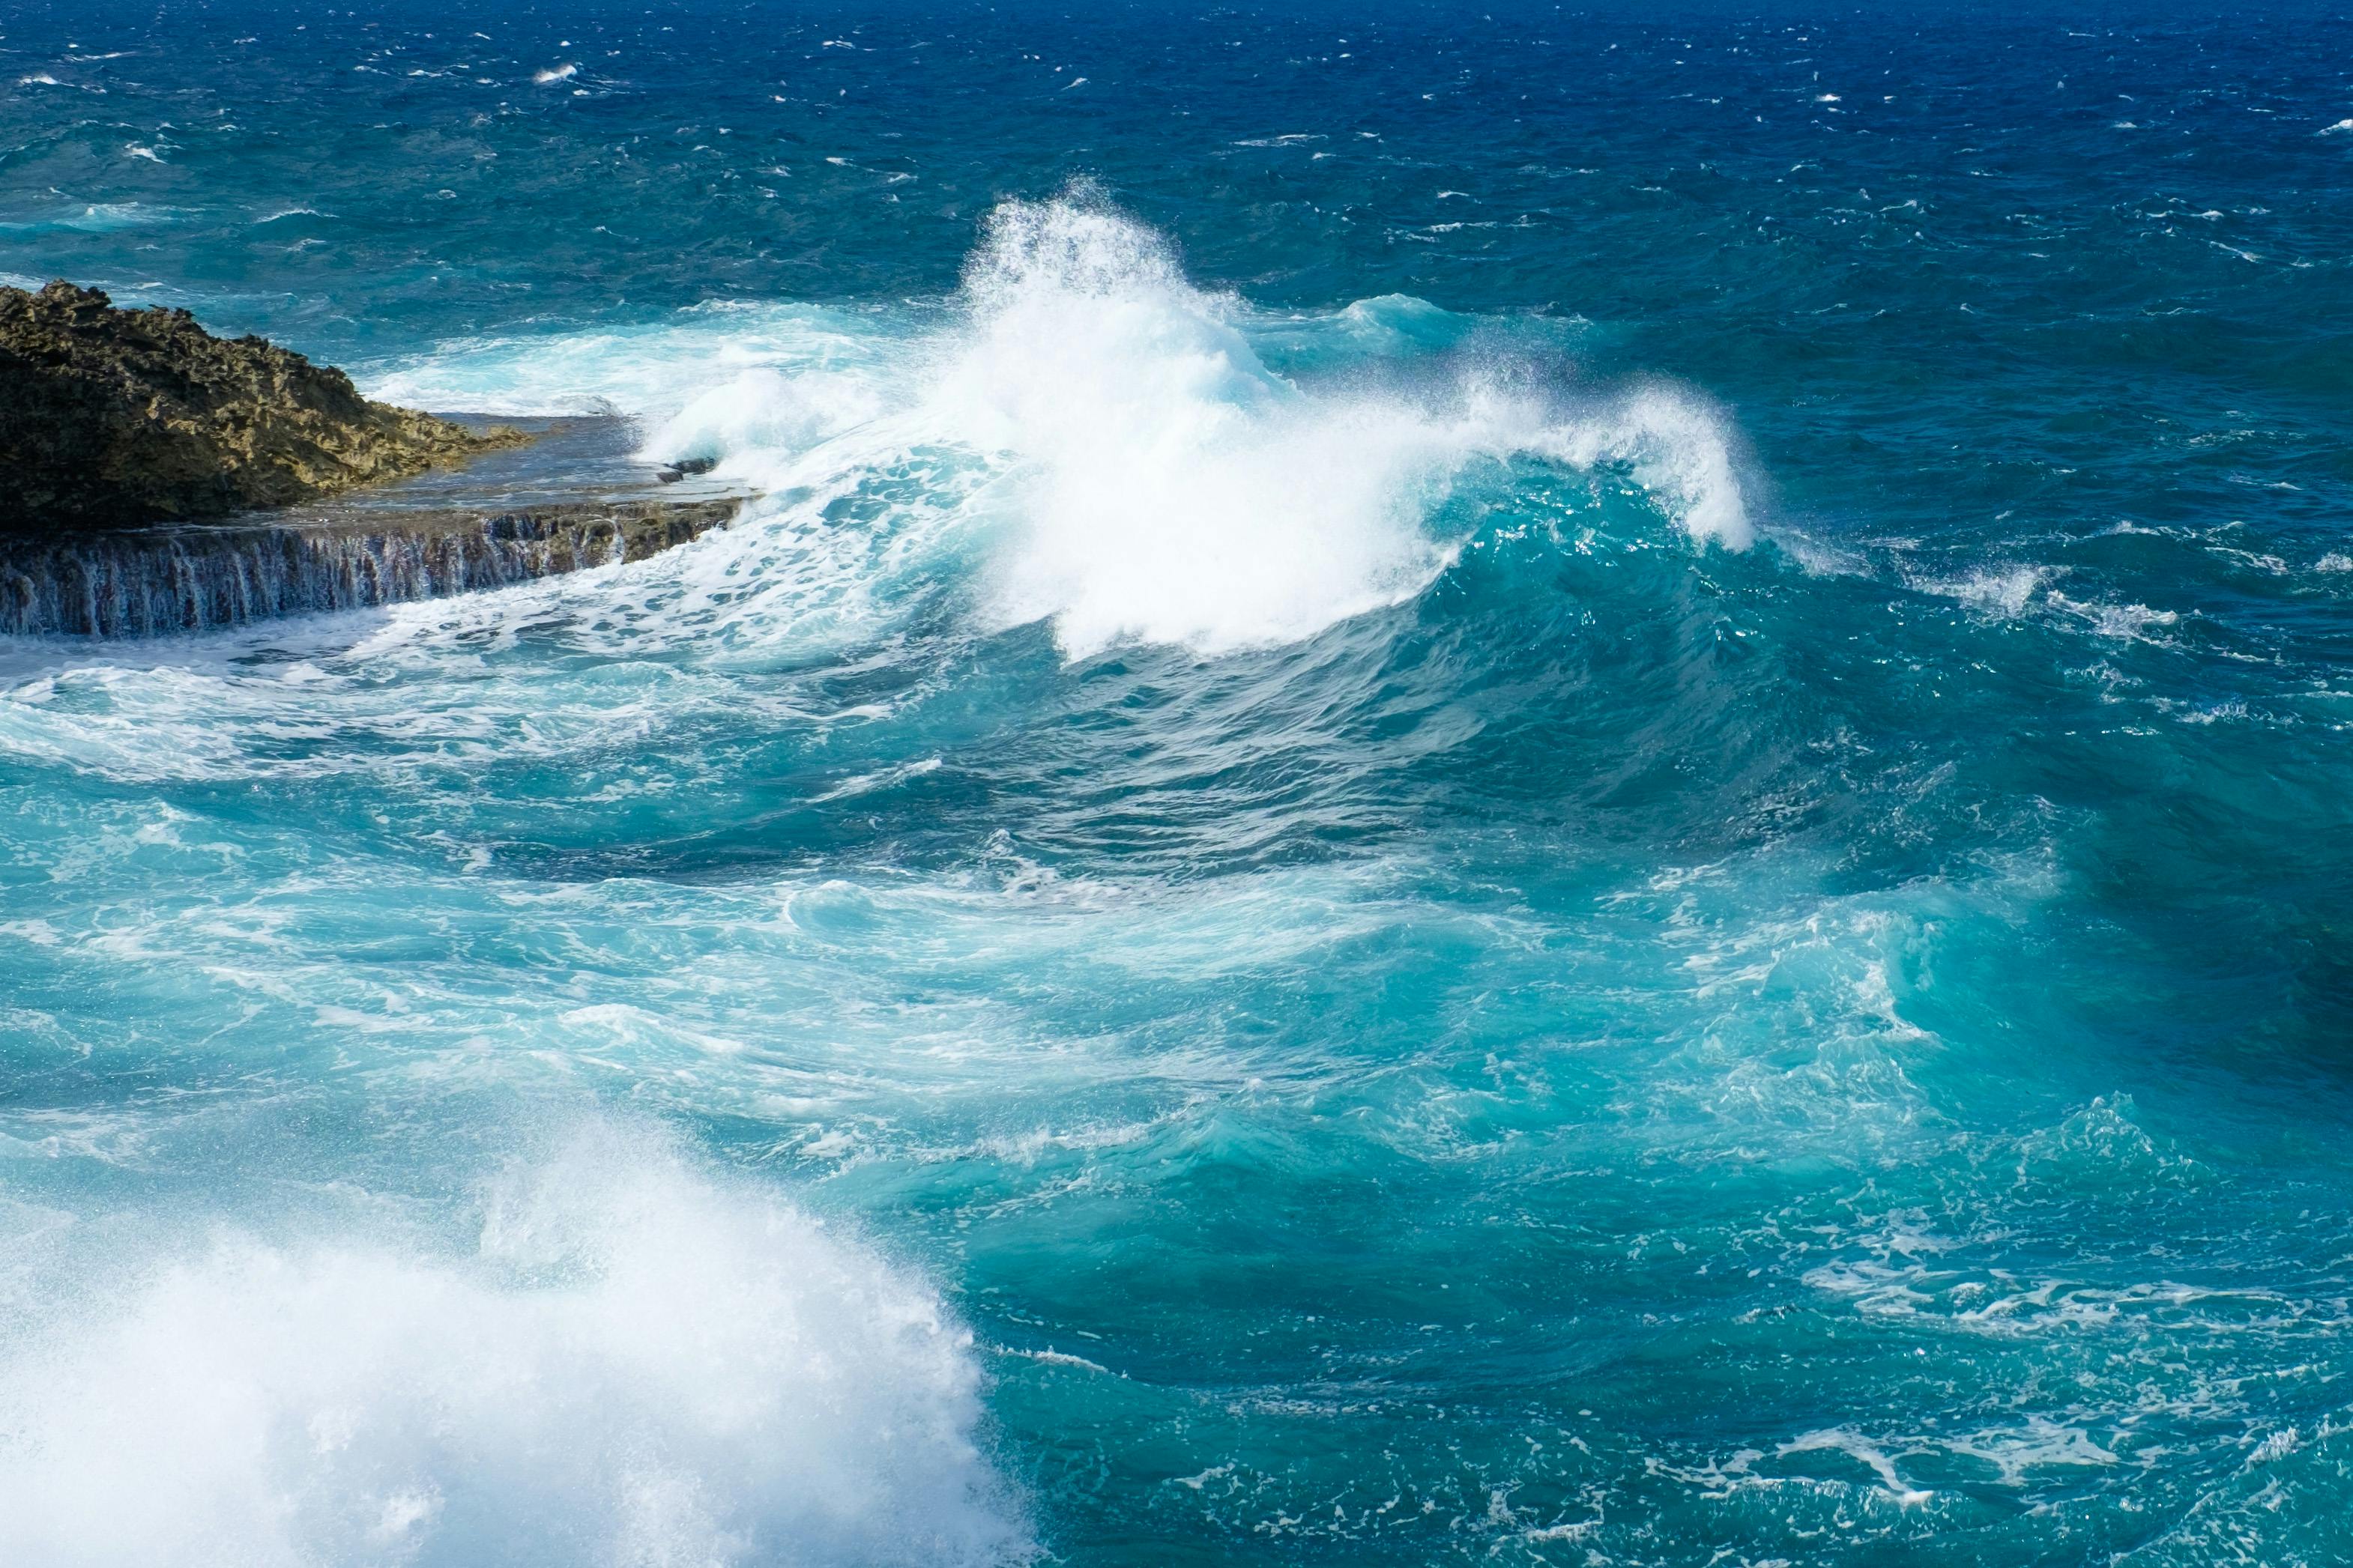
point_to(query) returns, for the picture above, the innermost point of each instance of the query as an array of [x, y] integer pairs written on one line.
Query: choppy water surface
[[1515, 788]]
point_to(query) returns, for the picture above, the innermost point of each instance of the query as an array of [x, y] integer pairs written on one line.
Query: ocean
[[1484, 783]]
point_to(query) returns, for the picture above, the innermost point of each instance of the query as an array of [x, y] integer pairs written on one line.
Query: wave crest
[[1106, 448], [1169, 486]]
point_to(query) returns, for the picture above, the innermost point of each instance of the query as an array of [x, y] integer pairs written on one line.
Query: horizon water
[[1483, 783]]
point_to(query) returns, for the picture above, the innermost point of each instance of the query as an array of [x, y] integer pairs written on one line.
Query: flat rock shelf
[[185, 577]]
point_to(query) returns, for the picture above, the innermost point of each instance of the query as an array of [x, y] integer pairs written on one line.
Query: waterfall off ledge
[[192, 577]]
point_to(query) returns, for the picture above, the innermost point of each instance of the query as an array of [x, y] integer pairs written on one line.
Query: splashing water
[[1139, 473], [1557, 792], [634, 1364]]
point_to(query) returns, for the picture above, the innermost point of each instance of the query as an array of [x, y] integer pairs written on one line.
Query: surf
[[1116, 457]]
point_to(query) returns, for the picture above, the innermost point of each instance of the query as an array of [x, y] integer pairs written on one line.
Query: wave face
[[1472, 790]]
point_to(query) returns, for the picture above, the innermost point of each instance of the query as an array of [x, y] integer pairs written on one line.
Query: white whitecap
[[764, 412], [1166, 486], [1093, 439]]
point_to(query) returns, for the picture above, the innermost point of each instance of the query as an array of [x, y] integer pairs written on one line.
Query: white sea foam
[[653, 370], [1848, 1441], [1677, 449], [763, 415], [1165, 486], [2044, 1443], [1105, 444], [2001, 590], [638, 1363], [2128, 622], [99, 218], [2013, 592]]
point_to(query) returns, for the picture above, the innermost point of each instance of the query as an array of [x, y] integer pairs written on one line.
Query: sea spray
[[638, 1361], [1634, 1051], [1135, 471]]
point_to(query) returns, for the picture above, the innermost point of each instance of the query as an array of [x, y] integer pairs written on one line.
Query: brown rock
[[112, 419]]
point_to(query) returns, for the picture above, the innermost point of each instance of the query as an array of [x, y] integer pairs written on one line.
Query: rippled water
[[1514, 787]]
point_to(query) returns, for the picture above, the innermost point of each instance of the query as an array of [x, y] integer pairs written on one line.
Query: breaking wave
[[635, 1363], [1106, 443]]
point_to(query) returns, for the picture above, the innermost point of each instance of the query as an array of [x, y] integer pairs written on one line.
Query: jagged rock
[[111, 417]]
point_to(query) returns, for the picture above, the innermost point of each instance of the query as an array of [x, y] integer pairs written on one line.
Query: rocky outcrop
[[122, 431], [111, 417], [156, 581]]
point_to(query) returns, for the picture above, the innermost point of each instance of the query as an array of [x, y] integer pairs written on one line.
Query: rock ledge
[[157, 581]]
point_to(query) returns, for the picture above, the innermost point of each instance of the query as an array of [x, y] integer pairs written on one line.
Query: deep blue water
[[1488, 783]]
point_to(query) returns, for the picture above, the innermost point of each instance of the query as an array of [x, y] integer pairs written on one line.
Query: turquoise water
[[1510, 787]]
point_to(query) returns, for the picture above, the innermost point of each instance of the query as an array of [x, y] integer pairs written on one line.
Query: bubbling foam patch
[[637, 1365]]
